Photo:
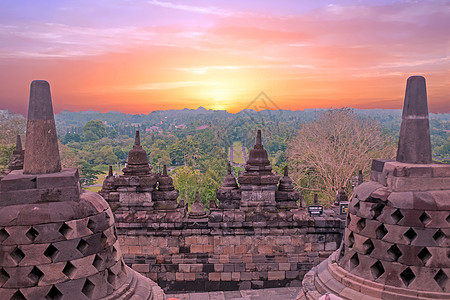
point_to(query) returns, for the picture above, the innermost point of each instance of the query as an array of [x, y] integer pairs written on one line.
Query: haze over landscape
[[141, 56]]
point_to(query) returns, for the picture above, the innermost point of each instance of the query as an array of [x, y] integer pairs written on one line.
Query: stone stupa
[[258, 183], [57, 241], [16, 159], [397, 239], [229, 194]]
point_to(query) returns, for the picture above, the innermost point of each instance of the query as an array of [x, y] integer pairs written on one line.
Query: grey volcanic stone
[[42, 156], [414, 144]]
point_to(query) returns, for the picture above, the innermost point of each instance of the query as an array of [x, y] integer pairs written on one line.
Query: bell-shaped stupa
[[57, 241], [397, 239]]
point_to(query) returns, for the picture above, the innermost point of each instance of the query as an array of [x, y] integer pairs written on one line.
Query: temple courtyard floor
[[287, 293]]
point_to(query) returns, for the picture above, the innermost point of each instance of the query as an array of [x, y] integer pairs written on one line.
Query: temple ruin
[[256, 236]]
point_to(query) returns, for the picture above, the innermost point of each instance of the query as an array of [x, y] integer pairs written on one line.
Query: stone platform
[[288, 293]]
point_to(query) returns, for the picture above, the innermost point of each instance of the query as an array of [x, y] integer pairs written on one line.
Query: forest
[[319, 146]]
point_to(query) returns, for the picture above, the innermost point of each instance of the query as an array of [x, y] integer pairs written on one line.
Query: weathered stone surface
[[17, 157], [42, 155], [137, 163], [197, 208], [414, 144]]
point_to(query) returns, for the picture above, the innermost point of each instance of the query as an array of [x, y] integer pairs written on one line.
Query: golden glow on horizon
[[325, 57]]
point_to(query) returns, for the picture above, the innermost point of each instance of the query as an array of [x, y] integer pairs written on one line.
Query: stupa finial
[[137, 138], [18, 143], [414, 144], [42, 155], [258, 138]]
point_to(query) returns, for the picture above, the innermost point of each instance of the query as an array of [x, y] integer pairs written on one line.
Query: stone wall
[[226, 252], [258, 236]]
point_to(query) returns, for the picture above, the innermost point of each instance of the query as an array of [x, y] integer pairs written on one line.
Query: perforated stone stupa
[[56, 241], [397, 238]]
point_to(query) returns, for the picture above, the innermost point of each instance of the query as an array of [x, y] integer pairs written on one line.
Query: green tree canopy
[[94, 130]]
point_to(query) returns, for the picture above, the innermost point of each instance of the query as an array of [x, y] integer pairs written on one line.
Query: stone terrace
[[256, 237]]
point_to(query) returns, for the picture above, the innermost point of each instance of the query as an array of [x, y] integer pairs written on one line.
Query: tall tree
[[327, 152], [94, 130]]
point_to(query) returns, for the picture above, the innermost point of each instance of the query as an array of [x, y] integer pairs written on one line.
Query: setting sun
[[221, 55]]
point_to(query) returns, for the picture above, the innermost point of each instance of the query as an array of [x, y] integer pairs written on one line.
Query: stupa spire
[[18, 143], [42, 155], [258, 142], [414, 144], [137, 138]]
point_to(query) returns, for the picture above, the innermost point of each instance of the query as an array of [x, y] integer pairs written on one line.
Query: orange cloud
[[357, 56]]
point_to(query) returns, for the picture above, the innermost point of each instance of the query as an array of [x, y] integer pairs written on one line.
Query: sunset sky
[[138, 56]]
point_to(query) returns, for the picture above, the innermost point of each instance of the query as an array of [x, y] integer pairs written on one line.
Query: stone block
[[196, 268], [284, 266], [419, 171], [141, 268], [441, 170], [16, 180], [214, 276], [40, 195], [33, 292], [441, 199], [48, 233], [180, 276], [396, 234], [16, 235], [34, 255], [363, 191], [83, 267], [19, 277], [225, 276], [65, 250], [424, 201], [65, 178], [228, 216], [403, 184], [189, 276], [401, 200], [411, 218], [235, 276], [331, 246], [276, 275], [269, 179], [216, 216], [185, 268], [249, 180], [437, 219]]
